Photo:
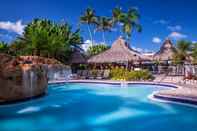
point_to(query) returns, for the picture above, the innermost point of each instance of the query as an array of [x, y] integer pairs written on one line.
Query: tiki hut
[[164, 56], [166, 52], [118, 53]]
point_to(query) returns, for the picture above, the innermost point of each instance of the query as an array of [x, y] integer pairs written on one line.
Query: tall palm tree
[[117, 15], [89, 18], [182, 49], [194, 53], [130, 21], [104, 24]]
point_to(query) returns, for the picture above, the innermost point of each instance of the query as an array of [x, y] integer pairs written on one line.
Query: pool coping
[[155, 95], [115, 82]]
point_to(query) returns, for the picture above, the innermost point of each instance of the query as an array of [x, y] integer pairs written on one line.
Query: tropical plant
[[130, 21], [181, 54], [17, 48], [117, 15], [4, 48], [96, 49], [49, 39], [194, 53], [89, 18], [127, 20], [126, 75], [104, 24]]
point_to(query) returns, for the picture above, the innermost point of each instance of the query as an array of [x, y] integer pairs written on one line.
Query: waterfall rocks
[[23, 77]]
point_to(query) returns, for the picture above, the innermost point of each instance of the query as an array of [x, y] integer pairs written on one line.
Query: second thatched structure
[[166, 52]]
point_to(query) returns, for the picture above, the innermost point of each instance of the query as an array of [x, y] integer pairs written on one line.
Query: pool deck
[[181, 93]]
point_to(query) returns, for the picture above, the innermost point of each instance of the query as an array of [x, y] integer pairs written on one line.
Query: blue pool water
[[97, 107]]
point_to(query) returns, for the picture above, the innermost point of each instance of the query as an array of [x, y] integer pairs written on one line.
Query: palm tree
[[89, 18], [130, 21], [182, 49], [104, 24], [117, 15], [194, 53]]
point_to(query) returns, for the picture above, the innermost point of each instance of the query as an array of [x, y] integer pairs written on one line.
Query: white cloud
[[88, 43], [175, 28], [16, 27], [194, 41], [176, 35], [137, 49], [140, 49], [156, 40], [162, 21]]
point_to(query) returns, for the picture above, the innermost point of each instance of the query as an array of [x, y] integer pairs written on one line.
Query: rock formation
[[23, 77]]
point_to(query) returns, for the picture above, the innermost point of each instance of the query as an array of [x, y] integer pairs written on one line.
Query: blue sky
[[159, 18]]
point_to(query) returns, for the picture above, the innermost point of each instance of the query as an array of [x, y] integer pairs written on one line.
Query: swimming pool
[[98, 107]]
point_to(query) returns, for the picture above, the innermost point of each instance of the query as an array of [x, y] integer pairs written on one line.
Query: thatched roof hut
[[77, 57], [166, 51], [118, 53]]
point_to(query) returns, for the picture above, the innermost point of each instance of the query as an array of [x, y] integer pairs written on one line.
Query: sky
[[175, 19]]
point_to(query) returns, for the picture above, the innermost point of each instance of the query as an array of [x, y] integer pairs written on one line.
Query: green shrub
[[96, 49], [124, 74]]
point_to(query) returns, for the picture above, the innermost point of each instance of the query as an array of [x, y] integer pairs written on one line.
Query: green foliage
[[104, 24], [194, 53], [89, 18], [96, 49], [116, 14], [4, 48], [17, 48], [82, 66], [124, 74], [129, 20], [181, 54], [48, 39]]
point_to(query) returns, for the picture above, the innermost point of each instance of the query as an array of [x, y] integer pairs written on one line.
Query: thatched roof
[[77, 57], [118, 53], [166, 51]]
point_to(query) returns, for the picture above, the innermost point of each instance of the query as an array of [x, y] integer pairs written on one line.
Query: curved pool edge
[[154, 96], [173, 99], [115, 82]]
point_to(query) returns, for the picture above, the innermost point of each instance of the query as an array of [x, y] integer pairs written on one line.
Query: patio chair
[[79, 73], [99, 75], [84, 74], [189, 77], [106, 74], [90, 74]]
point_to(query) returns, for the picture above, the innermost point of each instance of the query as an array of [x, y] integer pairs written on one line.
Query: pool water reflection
[[98, 107]]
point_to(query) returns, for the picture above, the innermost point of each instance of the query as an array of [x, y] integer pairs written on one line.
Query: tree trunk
[[104, 37], [90, 33], [120, 29]]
